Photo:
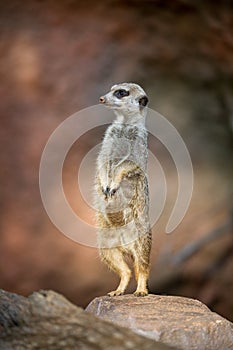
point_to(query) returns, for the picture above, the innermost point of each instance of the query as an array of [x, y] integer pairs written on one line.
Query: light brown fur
[[121, 189]]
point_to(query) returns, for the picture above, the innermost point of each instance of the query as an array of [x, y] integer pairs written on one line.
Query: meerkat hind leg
[[141, 274], [115, 260], [141, 290]]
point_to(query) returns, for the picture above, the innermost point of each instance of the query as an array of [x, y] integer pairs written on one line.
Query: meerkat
[[121, 188]]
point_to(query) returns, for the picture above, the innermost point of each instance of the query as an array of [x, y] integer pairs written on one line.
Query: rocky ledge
[[177, 321], [46, 320]]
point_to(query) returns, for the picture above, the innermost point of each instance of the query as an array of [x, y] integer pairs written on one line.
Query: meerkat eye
[[121, 93]]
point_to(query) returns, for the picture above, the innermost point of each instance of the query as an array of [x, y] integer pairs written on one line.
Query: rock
[[46, 320], [176, 321]]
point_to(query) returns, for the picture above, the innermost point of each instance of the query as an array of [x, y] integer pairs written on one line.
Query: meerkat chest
[[125, 142]]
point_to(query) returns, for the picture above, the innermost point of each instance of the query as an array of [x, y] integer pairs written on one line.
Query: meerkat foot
[[115, 293], [141, 293]]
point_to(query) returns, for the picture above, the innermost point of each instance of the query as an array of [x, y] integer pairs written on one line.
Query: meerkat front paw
[[108, 192]]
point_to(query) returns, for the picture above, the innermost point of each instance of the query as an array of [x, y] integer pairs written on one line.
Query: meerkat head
[[126, 98]]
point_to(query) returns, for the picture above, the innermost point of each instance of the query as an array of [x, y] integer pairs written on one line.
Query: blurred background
[[58, 57]]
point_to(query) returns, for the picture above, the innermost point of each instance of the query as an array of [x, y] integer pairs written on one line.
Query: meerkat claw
[[108, 192], [140, 293], [112, 192], [115, 293]]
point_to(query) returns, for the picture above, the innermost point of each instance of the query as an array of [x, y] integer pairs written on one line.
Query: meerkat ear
[[143, 101]]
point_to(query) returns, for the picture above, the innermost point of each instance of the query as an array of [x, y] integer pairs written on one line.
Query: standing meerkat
[[121, 188]]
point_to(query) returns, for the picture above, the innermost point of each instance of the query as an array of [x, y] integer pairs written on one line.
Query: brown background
[[58, 57]]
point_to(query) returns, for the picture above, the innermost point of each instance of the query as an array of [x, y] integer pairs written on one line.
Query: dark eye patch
[[121, 93]]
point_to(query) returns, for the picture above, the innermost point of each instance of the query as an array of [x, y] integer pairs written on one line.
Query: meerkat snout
[[102, 99]]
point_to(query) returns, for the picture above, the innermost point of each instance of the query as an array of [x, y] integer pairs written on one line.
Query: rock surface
[[177, 321], [46, 320]]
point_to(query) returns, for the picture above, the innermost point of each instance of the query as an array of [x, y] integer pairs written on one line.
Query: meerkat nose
[[102, 99]]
